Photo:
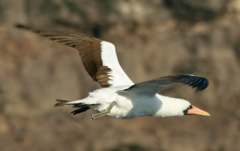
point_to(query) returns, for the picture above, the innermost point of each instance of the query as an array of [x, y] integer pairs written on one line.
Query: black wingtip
[[203, 84], [197, 82]]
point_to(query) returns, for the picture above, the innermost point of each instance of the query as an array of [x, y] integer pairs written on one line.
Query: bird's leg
[[103, 113]]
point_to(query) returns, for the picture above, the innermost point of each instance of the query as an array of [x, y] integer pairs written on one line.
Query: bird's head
[[193, 110], [180, 107]]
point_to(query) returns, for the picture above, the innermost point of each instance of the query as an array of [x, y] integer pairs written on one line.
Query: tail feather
[[61, 102], [81, 109], [78, 107], [22, 26], [28, 28]]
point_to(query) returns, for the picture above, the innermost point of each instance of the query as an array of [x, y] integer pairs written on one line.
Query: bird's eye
[[186, 110]]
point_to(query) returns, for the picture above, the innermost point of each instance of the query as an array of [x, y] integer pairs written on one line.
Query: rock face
[[190, 10], [151, 42]]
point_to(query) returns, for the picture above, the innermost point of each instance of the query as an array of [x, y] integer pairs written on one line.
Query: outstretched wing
[[99, 57], [154, 86]]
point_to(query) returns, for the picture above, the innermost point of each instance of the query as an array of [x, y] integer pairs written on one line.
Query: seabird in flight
[[119, 96]]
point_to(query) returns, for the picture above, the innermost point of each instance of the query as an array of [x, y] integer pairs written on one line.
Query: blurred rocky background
[[154, 38]]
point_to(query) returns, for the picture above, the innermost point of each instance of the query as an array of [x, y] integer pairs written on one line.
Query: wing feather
[[99, 57], [154, 86]]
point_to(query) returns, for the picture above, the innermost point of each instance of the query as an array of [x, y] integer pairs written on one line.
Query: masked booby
[[119, 96]]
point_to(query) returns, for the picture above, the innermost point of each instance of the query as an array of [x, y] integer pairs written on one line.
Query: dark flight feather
[[154, 86]]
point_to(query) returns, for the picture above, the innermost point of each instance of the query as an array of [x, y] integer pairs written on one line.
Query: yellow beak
[[196, 111]]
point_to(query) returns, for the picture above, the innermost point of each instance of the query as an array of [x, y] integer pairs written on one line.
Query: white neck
[[171, 106]]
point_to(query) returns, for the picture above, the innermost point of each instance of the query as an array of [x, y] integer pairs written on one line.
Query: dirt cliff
[[152, 41]]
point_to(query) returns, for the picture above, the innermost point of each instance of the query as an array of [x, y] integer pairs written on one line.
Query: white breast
[[133, 106], [123, 107]]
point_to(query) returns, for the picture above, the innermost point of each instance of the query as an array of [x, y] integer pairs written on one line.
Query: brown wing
[[88, 48]]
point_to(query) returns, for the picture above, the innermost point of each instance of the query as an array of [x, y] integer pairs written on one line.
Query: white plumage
[[119, 96], [132, 103], [109, 58]]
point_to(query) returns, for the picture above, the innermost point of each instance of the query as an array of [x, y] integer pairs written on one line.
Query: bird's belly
[[122, 108], [135, 107], [144, 106]]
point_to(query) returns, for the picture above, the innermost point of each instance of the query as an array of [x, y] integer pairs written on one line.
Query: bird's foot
[[103, 113], [98, 115]]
